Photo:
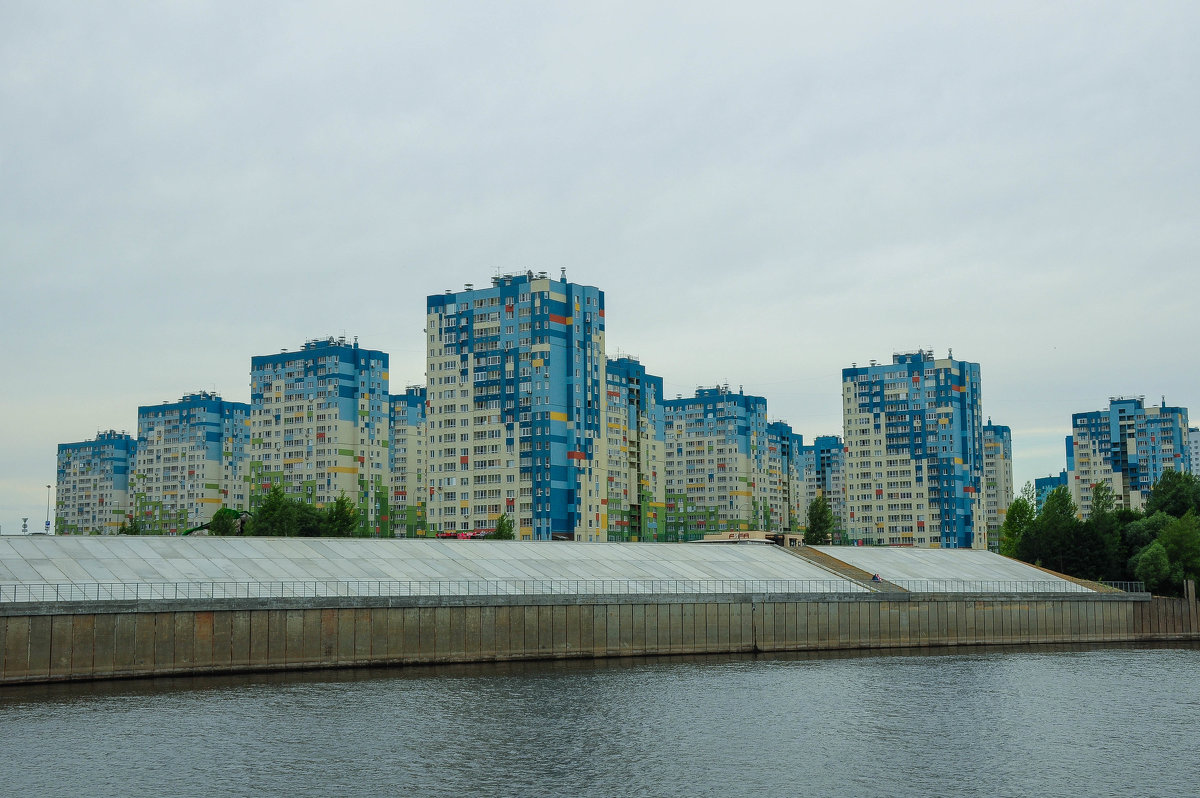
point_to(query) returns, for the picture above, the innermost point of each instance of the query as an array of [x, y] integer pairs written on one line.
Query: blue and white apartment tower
[[786, 495], [92, 491], [515, 374], [914, 452], [997, 479], [636, 440], [408, 462], [1126, 447], [823, 465], [717, 463], [190, 462], [319, 424]]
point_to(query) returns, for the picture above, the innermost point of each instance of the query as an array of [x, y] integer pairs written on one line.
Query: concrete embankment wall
[[97, 640]]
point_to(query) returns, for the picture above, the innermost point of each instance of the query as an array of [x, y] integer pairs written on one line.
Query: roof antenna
[[564, 274]]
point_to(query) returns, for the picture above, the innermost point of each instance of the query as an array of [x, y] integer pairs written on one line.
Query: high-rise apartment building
[[823, 467], [1126, 447], [515, 375], [92, 491], [191, 460], [407, 450], [319, 420], [997, 479], [636, 440], [716, 463], [914, 452], [786, 489]]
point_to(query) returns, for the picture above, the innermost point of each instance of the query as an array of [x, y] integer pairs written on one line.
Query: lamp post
[[47, 509]]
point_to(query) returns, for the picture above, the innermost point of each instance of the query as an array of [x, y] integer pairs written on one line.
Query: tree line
[[1159, 545], [280, 515]]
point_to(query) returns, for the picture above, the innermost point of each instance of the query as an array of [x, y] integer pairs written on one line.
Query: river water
[[1117, 721]]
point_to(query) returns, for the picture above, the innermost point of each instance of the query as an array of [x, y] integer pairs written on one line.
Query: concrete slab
[[949, 570], [149, 560]]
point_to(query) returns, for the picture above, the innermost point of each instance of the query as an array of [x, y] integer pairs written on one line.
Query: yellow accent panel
[[463, 502], [740, 493], [343, 469], [293, 461], [209, 501], [385, 375], [556, 416], [537, 363]]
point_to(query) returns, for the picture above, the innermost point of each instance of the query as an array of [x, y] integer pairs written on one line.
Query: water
[[1018, 722]]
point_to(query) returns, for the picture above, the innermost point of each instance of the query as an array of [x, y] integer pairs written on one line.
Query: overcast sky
[[765, 192]]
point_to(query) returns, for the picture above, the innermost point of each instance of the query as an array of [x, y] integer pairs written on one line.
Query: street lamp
[[47, 509]]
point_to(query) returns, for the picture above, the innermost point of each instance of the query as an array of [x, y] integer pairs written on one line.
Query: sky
[[766, 192]]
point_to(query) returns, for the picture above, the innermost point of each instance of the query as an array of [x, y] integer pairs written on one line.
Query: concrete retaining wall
[[99, 640]]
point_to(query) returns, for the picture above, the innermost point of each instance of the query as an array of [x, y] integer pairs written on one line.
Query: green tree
[[1174, 494], [276, 515], [341, 518], [503, 530], [1053, 538], [307, 521], [1020, 516], [1100, 548], [131, 526], [224, 522], [1181, 541], [1139, 534], [1152, 566], [821, 522]]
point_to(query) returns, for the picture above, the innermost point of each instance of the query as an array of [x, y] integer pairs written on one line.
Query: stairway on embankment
[[844, 570]]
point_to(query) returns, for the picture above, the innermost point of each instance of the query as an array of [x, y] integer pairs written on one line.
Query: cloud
[[766, 192]]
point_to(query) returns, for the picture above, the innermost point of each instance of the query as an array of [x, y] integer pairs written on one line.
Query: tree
[[821, 522], [276, 515], [503, 530], [1020, 516], [1139, 534], [224, 522], [1052, 539], [1102, 536], [1181, 541], [307, 521], [1152, 566], [1174, 494], [131, 526], [341, 519]]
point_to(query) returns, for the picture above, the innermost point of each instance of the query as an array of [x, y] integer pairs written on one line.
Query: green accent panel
[[384, 444], [211, 486], [364, 413], [256, 440], [346, 452]]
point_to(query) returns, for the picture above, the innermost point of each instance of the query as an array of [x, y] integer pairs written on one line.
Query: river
[[1116, 721]]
